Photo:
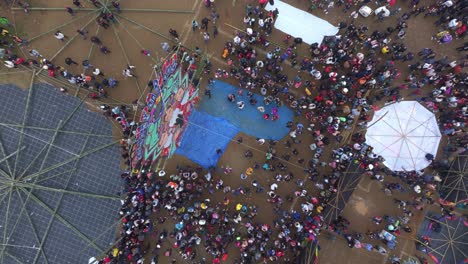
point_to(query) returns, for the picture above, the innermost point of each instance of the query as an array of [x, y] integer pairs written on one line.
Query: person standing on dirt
[[86, 64], [70, 11], [60, 36], [96, 40], [101, 22], [174, 33], [215, 31], [165, 46], [206, 37], [204, 23], [96, 3], [104, 49], [83, 32], [69, 61], [77, 3], [194, 25], [116, 5]]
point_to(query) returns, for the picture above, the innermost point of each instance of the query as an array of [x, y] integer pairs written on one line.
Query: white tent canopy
[[301, 24], [403, 134]]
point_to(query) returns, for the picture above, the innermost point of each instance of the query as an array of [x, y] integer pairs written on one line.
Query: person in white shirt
[[128, 72], [261, 23], [9, 64], [97, 72], [59, 35]]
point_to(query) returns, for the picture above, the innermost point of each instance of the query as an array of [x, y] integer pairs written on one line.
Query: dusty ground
[[126, 39]]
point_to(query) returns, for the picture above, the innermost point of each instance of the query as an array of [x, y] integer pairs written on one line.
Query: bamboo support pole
[[2, 151], [61, 26], [61, 131], [156, 10], [12, 154], [51, 9], [23, 122], [64, 221], [68, 43], [36, 236], [147, 28], [55, 175], [6, 222], [125, 55], [50, 189], [70, 160], [59, 203], [15, 183]]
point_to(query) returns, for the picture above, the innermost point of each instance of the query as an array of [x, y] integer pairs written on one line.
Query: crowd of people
[[332, 88]]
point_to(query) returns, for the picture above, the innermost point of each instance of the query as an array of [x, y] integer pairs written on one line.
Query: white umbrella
[[403, 134]]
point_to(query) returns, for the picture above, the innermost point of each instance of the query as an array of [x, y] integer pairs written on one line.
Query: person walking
[[174, 33], [165, 46], [215, 31], [77, 3], [194, 25], [206, 37], [83, 32]]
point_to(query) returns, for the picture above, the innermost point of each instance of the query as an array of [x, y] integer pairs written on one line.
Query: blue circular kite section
[[217, 121], [248, 120]]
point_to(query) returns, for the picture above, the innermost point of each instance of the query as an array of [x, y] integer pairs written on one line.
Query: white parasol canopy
[[403, 134]]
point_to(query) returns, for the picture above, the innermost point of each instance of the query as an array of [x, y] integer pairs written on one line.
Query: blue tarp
[[248, 120], [217, 121], [203, 136]]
